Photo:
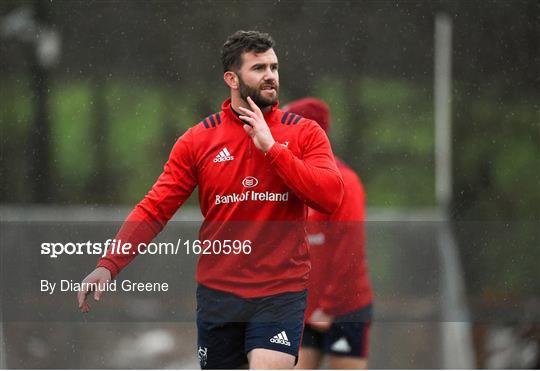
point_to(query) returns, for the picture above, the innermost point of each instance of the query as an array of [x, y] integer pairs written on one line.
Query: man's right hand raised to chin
[[257, 129], [100, 276]]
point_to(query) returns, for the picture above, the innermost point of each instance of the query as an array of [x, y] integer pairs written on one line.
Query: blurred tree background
[[96, 126]]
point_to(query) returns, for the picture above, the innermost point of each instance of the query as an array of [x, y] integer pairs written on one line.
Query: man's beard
[[255, 94]]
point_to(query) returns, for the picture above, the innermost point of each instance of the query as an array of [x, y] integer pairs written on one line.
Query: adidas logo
[[341, 346], [223, 156], [281, 338]]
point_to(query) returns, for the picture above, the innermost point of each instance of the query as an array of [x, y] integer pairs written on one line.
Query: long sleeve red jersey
[[339, 281], [244, 194]]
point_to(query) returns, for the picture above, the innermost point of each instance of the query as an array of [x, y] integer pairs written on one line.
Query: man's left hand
[[320, 320], [259, 130]]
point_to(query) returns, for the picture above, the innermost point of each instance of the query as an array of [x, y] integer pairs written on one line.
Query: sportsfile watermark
[[44, 263], [119, 247]]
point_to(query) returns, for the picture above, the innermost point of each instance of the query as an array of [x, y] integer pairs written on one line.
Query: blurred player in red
[[339, 307]]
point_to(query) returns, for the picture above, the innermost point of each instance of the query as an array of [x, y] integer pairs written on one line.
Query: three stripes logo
[[223, 156], [290, 118], [212, 121], [281, 338]]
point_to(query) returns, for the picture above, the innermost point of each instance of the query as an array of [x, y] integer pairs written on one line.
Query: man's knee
[[270, 359]]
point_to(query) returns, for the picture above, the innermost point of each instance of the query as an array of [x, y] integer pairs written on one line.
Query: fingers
[[85, 307], [319, 316], [84, 291], [101, 283], [247, 112], [249, 117], [97, 293], [250, 120], [322, 326], [255, 110], [81, 298], [253, 106]]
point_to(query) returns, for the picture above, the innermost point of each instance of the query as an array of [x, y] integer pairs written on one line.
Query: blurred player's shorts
[[348, 336]]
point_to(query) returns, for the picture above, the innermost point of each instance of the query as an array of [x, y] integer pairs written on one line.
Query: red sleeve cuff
[[274, 151], [108, 264]]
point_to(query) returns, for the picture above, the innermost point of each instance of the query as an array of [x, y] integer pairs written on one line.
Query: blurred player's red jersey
[[244, 194], [339, 281]]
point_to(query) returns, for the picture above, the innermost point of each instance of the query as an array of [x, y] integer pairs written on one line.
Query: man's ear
[[231, 79]]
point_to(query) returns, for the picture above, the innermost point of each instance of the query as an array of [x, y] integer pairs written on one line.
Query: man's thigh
[[221, 328], [220, 346]]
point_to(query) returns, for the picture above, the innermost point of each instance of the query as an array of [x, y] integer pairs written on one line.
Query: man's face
[[259, 79]]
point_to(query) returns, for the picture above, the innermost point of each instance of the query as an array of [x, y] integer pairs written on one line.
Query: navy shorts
[[229, 327], [347, 337]]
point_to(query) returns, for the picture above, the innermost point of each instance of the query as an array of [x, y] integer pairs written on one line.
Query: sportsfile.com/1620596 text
[[113, 246]]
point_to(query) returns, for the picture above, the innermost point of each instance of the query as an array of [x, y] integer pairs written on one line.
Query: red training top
[[339, 282], [244, 194]]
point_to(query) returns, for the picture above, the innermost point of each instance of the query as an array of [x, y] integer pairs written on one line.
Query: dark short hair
[[243, 42]]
